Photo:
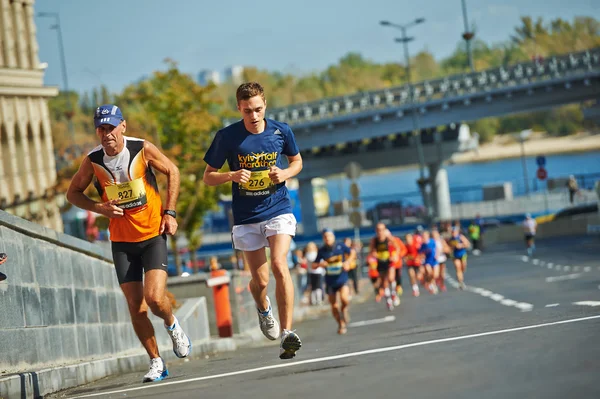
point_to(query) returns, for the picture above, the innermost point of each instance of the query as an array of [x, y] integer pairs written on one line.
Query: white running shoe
[[462, 286], [396, 301], [290, 343], [158, 371], [268, 325], [182, 346]]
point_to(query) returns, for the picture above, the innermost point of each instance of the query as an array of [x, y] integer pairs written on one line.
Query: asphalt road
[[523, 328]]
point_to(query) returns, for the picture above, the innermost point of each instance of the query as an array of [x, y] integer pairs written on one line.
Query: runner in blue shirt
[[254, 149], [432, 270], [336, 259]]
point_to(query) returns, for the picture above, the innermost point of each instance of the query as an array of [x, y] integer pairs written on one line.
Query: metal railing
[[548, 69]]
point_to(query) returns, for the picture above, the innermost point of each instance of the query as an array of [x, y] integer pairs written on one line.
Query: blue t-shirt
[[457, 252], [259, 200], [334, 256], [428, 248]]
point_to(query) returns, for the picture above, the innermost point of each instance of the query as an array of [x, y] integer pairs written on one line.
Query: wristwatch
[[170, 213]]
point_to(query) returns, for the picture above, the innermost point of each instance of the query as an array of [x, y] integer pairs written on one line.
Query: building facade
[[27, 164]]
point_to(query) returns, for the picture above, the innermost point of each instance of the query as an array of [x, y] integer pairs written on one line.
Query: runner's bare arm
[[160, 162], [76, 196], [79, 183], [295, 166], [213, 177]]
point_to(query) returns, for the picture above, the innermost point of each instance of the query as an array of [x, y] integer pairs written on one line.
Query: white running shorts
[[250, 237]]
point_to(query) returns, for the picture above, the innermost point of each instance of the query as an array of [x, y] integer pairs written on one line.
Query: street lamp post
[[415, 117], [468, 36], [522, 137], [70, 110]]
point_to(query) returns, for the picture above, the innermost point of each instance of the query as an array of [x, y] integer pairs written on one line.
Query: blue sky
[[115, 42]]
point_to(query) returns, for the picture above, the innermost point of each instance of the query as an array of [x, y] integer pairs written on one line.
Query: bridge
[[377, 128]]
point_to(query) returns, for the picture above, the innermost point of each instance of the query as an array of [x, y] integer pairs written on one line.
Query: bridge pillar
[[307, 207], [440, 191]]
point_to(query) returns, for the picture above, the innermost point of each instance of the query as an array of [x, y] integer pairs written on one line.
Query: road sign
[[353, 170], [540, 161], [355, 218], [541, 173]]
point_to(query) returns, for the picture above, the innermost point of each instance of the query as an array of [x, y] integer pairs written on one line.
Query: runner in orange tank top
[[121, 169]]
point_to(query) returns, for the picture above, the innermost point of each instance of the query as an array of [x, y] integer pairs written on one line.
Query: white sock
[[387, 292]]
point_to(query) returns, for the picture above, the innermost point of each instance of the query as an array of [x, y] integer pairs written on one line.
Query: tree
[[176, 111]]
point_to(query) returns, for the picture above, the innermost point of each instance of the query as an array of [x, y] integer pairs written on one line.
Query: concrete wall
[[577, 225], [61, 303]]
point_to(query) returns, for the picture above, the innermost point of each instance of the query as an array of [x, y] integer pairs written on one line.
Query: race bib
[[383, 255], [131, 194], [260, 184]]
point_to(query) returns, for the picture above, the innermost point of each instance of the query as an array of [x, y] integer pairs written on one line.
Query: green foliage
[[179, 116]]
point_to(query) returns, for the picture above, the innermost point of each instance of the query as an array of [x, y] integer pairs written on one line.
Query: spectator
[[573, 188]]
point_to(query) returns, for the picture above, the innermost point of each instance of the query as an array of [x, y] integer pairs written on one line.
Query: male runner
[[413, 262], [336, 259], [474, 234], [352, 271], [380, 249], [442, 251], [530, 228], [254, 149], [396, 264], [122, 169], [459, 244], [432, 270]]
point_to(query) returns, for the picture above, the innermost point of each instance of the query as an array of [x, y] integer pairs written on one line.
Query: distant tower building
[[27, 164], [207, 76], [234, 74]]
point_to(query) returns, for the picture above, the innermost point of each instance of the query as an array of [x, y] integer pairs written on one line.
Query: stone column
[[307, 207], [22, 38], [8, 41], [33, 46], [440, 191]]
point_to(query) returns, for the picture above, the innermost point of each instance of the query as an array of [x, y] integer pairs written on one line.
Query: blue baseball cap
[[108, 114]]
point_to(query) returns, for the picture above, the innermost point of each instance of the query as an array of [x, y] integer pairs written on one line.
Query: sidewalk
[[38, 383]]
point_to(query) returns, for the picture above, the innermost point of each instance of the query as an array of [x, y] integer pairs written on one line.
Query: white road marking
[[552, 305], [567, 268], [535, 261], [562, 278], [550, 264], [523, 306], [525, 259], [550, 267], [587, 303], [587, 269], [386, 319], [342, 356]]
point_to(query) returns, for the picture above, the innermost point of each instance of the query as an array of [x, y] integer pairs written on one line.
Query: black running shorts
[[132, 259]]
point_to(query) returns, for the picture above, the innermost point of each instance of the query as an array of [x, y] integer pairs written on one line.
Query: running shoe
[[462, 286], [2, 276], [290, 344], [390, 304], [399, 290], [396, 301], [268, 325], [158, 371], [182, 345], [416, 293]]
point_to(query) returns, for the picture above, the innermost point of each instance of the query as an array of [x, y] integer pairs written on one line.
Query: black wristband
[[170, 213]]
